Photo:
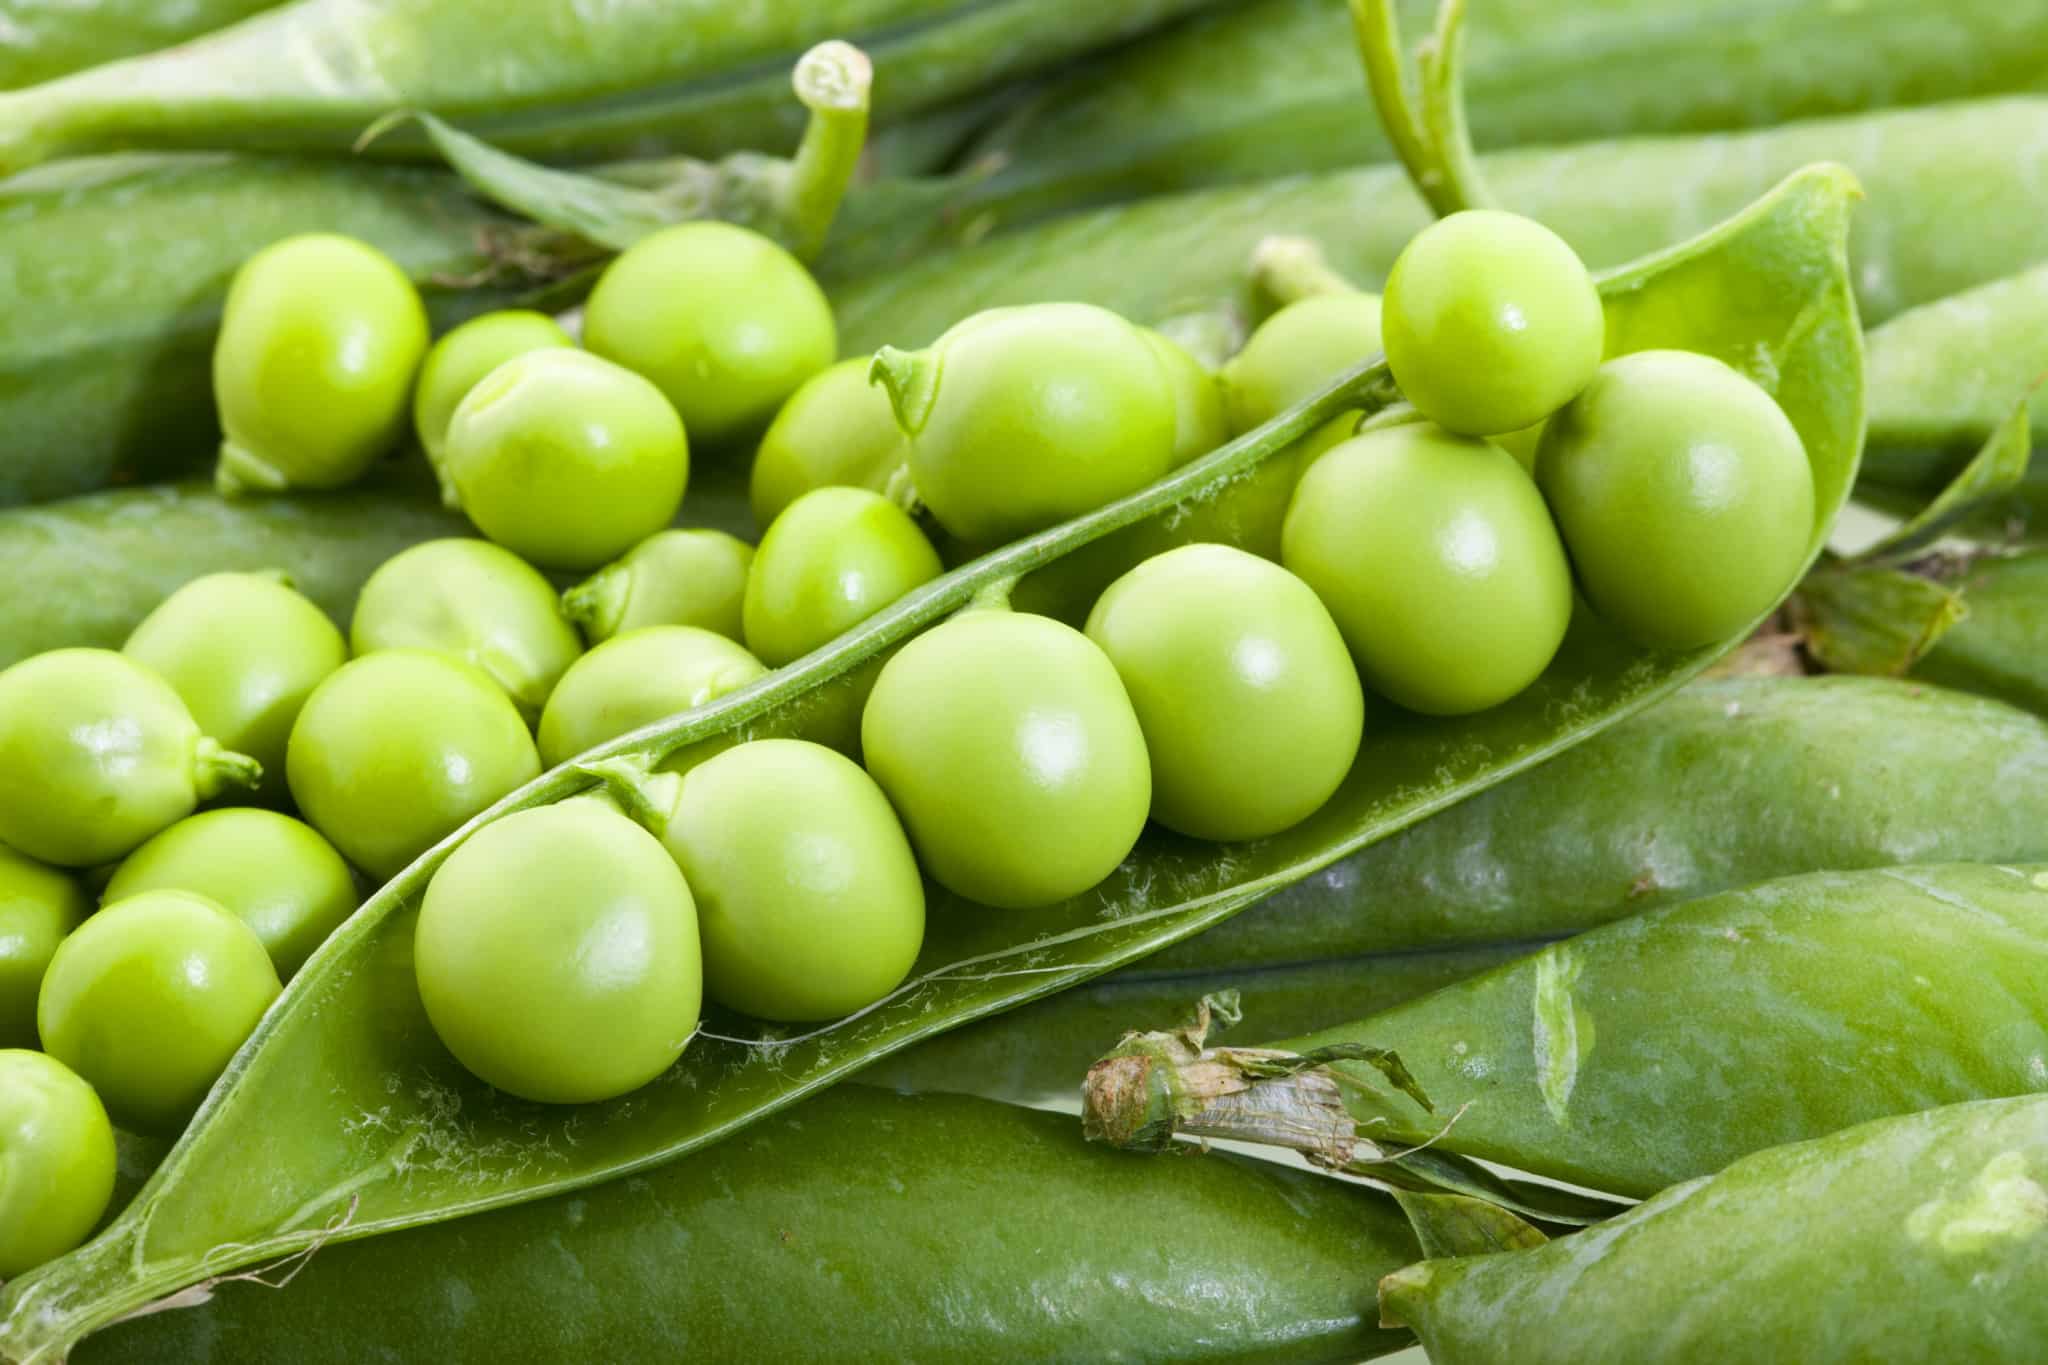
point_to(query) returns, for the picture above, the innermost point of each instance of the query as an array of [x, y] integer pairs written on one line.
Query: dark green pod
[[46, 40], [1920, 1240], [1662, 1047], [1270, 88], [2000, 648], [860, 1226]]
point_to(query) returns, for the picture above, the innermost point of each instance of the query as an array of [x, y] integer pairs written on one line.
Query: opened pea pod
[[975, 960]]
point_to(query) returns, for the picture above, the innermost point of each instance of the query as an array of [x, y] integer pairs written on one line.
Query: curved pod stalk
[[343, 1116]]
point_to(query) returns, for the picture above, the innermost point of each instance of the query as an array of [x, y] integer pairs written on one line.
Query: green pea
[[835, 557], [1020, 418], [38, 907], [243, 650], [811, 902], [1251, 709], [1684, 494], [400, 747], [57, 1153], [1438, 560], [148, 1000], [1009, 747], [837, 430], [1492, 322], [1297, 351], [724, 321], [100, 753], [463, 357], [319, 340], [636, 679], [557, 954], [1198, 417], [474, 601], [565, 459], [274, 873], [672, 578]]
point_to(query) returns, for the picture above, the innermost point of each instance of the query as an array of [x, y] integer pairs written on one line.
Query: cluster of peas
[[1010, 758]]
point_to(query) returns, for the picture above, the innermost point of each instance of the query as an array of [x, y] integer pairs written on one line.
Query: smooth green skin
[[636, 679], [57, 1155], [1683, 494], [548, 78], [1729, 782], [474, 601], [1199, 425], [1095, 1255], [1246, 694], [337, 1062], [1920, 1239], [400, 747], [557, 955], [149, 998], [672, 578], [38, 906], [1671, 1043], [100, 754], [320, 338], [460, 358], [1009, 747], [566, 459], [1945, 375], [1492, 322], [47, 41], [835, 557], [126, 262], [244, 650], [811, 903], [1145, 119], [1997, 650], [725, 322], [836, 430], [274, 873], [1439, 561], [1297, 351], [1022, 417]]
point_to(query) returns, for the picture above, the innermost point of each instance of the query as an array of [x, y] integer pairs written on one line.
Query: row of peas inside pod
[[1003, 754]]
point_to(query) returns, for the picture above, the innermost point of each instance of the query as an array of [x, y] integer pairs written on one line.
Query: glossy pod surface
[[1662, 1047], [351, 1020], [1918, 1240], [847, 1210]]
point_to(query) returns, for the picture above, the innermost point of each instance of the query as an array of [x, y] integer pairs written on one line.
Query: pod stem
[[1435, 145], [1287, 269], [834, 81], [911, 379], [216, 769], [241, 472], [647, 796]]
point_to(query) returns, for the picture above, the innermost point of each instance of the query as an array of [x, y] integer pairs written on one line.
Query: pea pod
[[1944, 376], [1662, 1047], [348, 1039], [1611, 200], [542, 77], [2000, 646], [1152, 118], [1922, 1238], [45, 41], [121, 552], [845, 1215]]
